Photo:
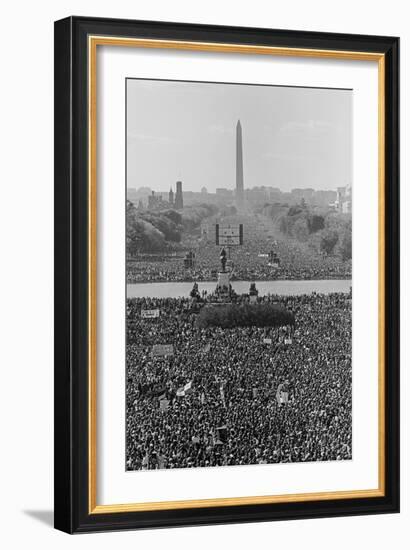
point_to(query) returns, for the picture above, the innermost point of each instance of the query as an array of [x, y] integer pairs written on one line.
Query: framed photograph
[[226, 274]]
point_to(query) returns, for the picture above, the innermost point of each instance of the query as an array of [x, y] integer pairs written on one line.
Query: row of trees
[[192, 216], [159, 231], [325, 230]]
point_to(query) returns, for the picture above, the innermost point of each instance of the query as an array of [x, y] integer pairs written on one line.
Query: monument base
[[222, 288], [223, 280]]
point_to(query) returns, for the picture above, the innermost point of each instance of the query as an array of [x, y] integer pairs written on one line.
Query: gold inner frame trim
[[93, 42]]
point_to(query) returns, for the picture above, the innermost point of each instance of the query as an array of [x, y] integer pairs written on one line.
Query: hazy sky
[[292, 137]]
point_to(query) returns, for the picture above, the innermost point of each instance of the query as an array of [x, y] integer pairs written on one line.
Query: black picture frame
[[71, 387]]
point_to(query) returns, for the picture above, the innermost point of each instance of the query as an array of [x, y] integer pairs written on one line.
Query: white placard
[[149, 313]]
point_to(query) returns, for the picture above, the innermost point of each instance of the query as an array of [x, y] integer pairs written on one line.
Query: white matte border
[[114, 485]]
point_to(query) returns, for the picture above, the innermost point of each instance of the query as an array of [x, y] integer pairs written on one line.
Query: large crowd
[[242, 395], [250, 262]]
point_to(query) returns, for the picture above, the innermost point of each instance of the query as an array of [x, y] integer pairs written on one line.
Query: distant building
[[192, 198], [179, 200], [155, 202], [324, 198], [275, 194], [343, 202], [224, 192], [171, 197], [132, 195], [204, 190], [305, 194], [257, 195]]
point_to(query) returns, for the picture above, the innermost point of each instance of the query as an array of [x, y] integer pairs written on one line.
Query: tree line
[[327, 231], [160, 231]]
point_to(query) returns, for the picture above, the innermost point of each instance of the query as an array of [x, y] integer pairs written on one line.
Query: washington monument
[[239, 165]]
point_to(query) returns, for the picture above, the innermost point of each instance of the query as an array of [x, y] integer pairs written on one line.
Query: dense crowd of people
[[250, 262], [240, 395]]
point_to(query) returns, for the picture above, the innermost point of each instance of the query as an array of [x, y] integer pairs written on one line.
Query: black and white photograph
[[227, 277], [238, 274]]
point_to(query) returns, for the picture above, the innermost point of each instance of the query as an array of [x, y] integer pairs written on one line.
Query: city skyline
[[232, 190], [292, 137]]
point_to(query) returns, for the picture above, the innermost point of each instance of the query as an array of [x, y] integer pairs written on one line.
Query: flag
[[188, 388], [185, 390]]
